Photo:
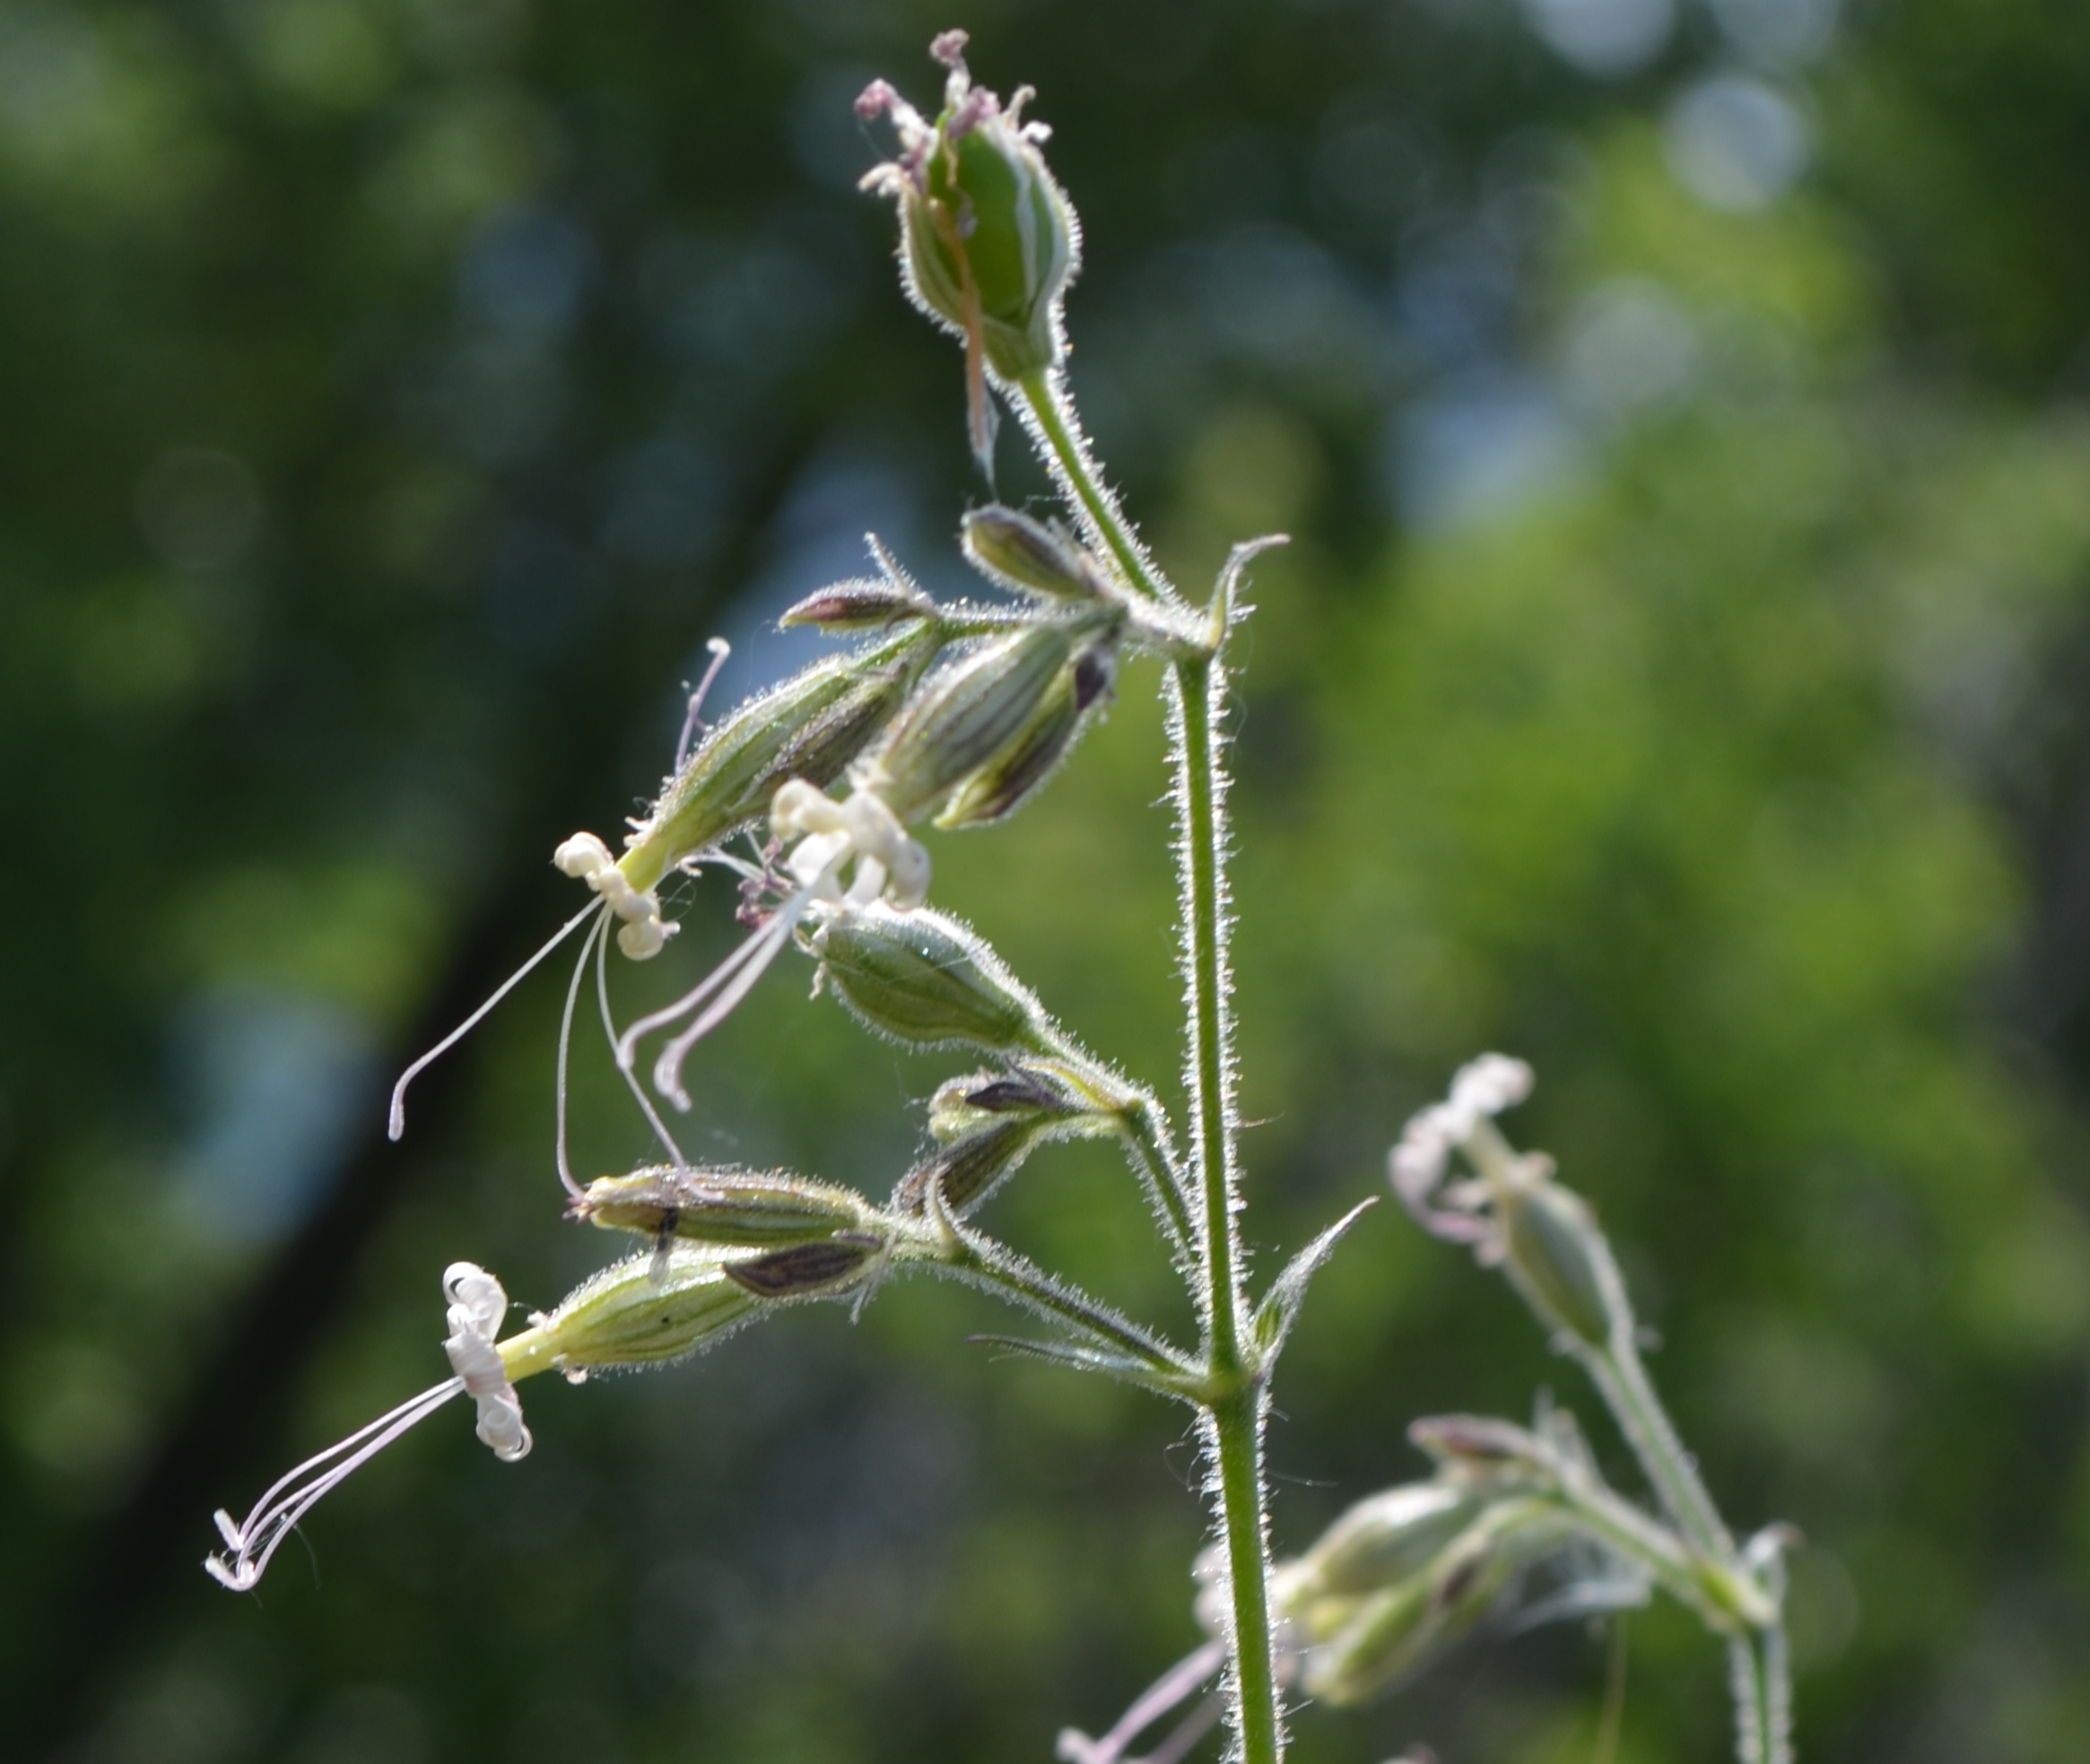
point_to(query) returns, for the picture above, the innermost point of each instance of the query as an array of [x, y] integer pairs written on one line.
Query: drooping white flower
[[477, 1306]]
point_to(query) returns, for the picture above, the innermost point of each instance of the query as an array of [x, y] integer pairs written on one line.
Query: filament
[[756, 955], [396, 1127], [719, 649], [609, 1027], [732, 981], [594, 939], [1188, 1674]]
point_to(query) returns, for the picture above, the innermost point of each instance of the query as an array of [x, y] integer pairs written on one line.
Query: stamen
[[289, 1499], [592, 940], [478, 1305], [396, 1127], [1188, 1675], [609, 1028], [719, 649]]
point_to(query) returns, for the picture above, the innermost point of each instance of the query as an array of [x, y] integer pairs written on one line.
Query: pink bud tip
[[876, 99], [947, 49]]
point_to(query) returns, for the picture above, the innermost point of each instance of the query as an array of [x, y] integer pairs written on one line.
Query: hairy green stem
[[1053, 422], [1233, 1391], [1235, 1416], [996, 1268], [1145, 1142], [1762, 1692], [1622, 1380]]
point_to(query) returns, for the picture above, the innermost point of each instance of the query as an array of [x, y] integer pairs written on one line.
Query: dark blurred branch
[[233, 1415]]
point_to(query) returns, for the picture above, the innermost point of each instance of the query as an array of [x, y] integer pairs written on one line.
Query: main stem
[[1235, 1413], [1235, 1407]]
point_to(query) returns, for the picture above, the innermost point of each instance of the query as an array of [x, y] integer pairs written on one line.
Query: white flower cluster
[[1418, 1165]]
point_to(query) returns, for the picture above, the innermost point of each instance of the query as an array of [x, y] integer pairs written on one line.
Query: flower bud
[[1478, 1447], [966, 717], [963, 1106], [765, 1209], [1558, 1257], [1015, 552], [1388, 1537], [988, 240], [1399, 1631], [811, 726], [998, 788], [965, 1172], [927, 981], [861, 605]]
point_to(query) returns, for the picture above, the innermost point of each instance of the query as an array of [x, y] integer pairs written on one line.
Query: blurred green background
[[1682, 408]]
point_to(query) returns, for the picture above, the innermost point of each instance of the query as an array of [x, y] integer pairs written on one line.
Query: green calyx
[[811, 726], [927, 981], [992, 223], [728, 1208]]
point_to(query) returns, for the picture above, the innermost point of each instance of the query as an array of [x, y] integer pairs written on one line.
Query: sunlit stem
[[1146, 1142], [993, 1267], [1621, 1378], [1234, 1420], [1057, 431], [1233, 1385], [1763, 1692]]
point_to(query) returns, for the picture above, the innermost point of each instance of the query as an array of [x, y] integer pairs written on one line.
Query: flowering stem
[[1235, 1408], [1762, 1692], [1054, 424], [1623, 1381]]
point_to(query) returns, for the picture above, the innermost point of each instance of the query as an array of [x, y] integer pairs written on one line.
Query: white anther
[[584, 857]]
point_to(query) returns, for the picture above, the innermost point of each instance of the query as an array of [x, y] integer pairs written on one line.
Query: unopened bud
[[988, 240], [967, 718], [964, 1172], [841, 1263], [863, 605], [1388, 1537], [1559, 1259], [927, 981], [963, 1106], [811, 726], [1478, 1447], [1018, 552], [998, 788], [770, 1209], [1396, 1633]]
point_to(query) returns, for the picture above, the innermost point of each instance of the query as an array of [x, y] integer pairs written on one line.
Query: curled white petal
[[478, 1304], [1490, 1085]]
